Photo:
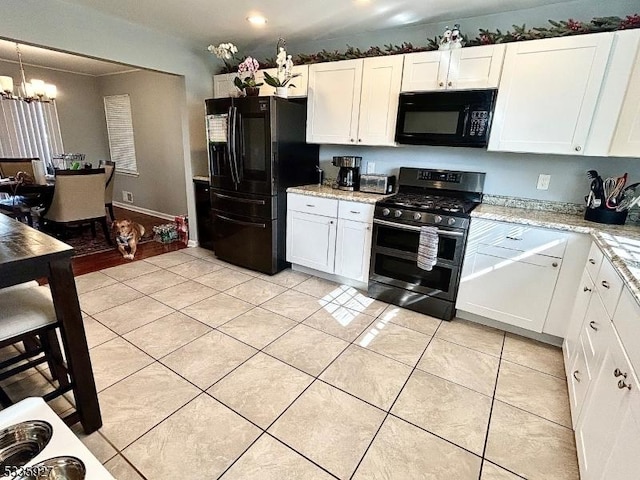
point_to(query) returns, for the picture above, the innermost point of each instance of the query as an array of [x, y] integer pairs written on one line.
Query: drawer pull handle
[[593, 324], [575, 375], [513, 238], [331, 222], [586, 289], [622, 385], [605, 284], [592, 261], [353, 211], [617, 373], [310, 206]]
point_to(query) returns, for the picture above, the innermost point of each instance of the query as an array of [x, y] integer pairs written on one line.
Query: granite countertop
[[200, 178], [329, 192], [619, 243]]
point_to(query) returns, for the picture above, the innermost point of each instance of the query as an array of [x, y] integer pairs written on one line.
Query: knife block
[[603, 215]]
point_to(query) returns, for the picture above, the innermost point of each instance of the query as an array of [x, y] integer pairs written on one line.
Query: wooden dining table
[[27, 254]]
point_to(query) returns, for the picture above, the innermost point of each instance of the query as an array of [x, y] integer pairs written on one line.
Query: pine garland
[[562, 28]]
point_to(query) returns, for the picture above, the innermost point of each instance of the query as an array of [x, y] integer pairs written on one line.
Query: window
[[30, 130], [120, 130]]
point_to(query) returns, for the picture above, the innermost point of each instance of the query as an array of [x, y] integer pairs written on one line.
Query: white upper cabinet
[[626, 141], [223, 86], [464, 68], [354, 101], [381, 79], [334, 101], [301, 82], [548, 94]]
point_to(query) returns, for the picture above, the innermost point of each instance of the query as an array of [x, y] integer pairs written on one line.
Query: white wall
[[71, 28], [510, 174]]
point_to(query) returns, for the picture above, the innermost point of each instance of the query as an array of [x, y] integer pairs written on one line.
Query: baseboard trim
[[192, 243], [145, 211]]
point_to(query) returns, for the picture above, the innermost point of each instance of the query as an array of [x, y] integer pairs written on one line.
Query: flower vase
[[252, 91], [282, 92]]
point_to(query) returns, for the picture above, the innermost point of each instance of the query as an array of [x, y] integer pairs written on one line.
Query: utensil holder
[[603, 215]]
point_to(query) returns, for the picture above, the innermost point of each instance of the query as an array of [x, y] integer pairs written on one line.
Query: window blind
[[120, 130], [30, 130]]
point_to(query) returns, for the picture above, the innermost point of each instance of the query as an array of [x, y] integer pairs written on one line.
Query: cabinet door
[[622, 462], [579, 378], [514, 292], [381, 77], [476, 67], [311, 240], [223, 86], [571, 339], [353, 250], [626, 140], [425, 71], [301, 82], [334, 102], [548, 93], [600, 419]]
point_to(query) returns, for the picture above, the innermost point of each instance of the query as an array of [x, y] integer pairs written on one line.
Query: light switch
[[543, 181]]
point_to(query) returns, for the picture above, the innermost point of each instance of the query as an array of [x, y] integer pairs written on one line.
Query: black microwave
[[451, 118]]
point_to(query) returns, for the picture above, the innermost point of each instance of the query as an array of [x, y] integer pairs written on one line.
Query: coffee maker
[[349, 173]]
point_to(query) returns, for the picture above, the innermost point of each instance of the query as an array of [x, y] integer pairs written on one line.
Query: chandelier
[[36, 90]]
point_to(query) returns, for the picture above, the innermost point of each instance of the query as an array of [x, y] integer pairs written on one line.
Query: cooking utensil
[[596, 197], [615, 185], [630, 196]]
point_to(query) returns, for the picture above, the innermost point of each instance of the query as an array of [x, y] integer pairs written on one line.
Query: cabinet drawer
[[360, 212], [521, 238], [627, 323], [594, 260], [609, 286], [327, 207], [518, 256]]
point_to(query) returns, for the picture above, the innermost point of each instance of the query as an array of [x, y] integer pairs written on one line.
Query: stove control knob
[[386, 212], [451, 221], [398, 213], [417, 216], [437, 219]]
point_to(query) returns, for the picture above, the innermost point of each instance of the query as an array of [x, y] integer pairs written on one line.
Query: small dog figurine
[[128, 234]]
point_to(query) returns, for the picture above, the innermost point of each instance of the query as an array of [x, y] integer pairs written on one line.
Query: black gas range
[[437, 198]]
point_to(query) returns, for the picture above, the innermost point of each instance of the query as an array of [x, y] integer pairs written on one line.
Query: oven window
[[441, 123], [439, 278], [407, 241]]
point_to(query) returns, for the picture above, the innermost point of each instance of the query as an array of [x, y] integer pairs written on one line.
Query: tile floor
[[207, 370]]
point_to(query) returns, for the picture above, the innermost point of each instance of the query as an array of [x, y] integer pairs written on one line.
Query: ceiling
[[203, 22], [42, 57]]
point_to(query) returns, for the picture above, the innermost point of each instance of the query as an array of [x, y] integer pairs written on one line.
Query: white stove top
[[63, 441]]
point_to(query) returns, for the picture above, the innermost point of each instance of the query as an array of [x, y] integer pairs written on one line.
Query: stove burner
[[430, 202]]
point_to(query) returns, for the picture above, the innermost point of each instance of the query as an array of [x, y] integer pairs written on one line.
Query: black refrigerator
[[257, 148]]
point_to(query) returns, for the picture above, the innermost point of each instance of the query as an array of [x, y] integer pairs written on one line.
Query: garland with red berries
[[562, 28]]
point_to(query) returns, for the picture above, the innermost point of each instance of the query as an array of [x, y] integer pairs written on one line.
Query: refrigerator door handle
[[240, 222], [230, 143], [238, 199], [239, 156]]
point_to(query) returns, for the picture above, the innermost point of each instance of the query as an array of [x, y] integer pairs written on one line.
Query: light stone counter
[[620, 243], [329, 192], [201, 178]]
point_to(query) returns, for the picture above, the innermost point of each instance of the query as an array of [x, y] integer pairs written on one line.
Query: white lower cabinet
[[331, 236], [353, 250], [311, 240], [603, 384]]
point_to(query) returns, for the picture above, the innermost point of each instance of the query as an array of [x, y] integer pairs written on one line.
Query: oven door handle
[[414, 228]]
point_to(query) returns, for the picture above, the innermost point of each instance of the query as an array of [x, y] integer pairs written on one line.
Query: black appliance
[[425, 197], [257, 149], [349, 173], [451, 118]]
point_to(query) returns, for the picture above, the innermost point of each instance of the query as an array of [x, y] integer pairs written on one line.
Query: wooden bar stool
[[27, 315]]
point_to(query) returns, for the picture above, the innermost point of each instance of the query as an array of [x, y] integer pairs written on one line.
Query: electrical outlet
[[543, 181], [371, 167], [127, 196]]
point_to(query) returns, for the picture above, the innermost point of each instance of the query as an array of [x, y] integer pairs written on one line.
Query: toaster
[[382, 184]]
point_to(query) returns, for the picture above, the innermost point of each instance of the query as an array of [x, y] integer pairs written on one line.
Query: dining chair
[[27, 316], [18, 206], [78, 199], [110, 170]]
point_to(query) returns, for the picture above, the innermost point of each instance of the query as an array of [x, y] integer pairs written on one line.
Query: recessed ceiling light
[[257, 20]]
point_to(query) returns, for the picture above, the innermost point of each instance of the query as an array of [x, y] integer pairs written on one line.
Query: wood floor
[[99, 261]]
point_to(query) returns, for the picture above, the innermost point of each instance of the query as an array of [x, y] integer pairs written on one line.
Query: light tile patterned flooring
[[207, 370]]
